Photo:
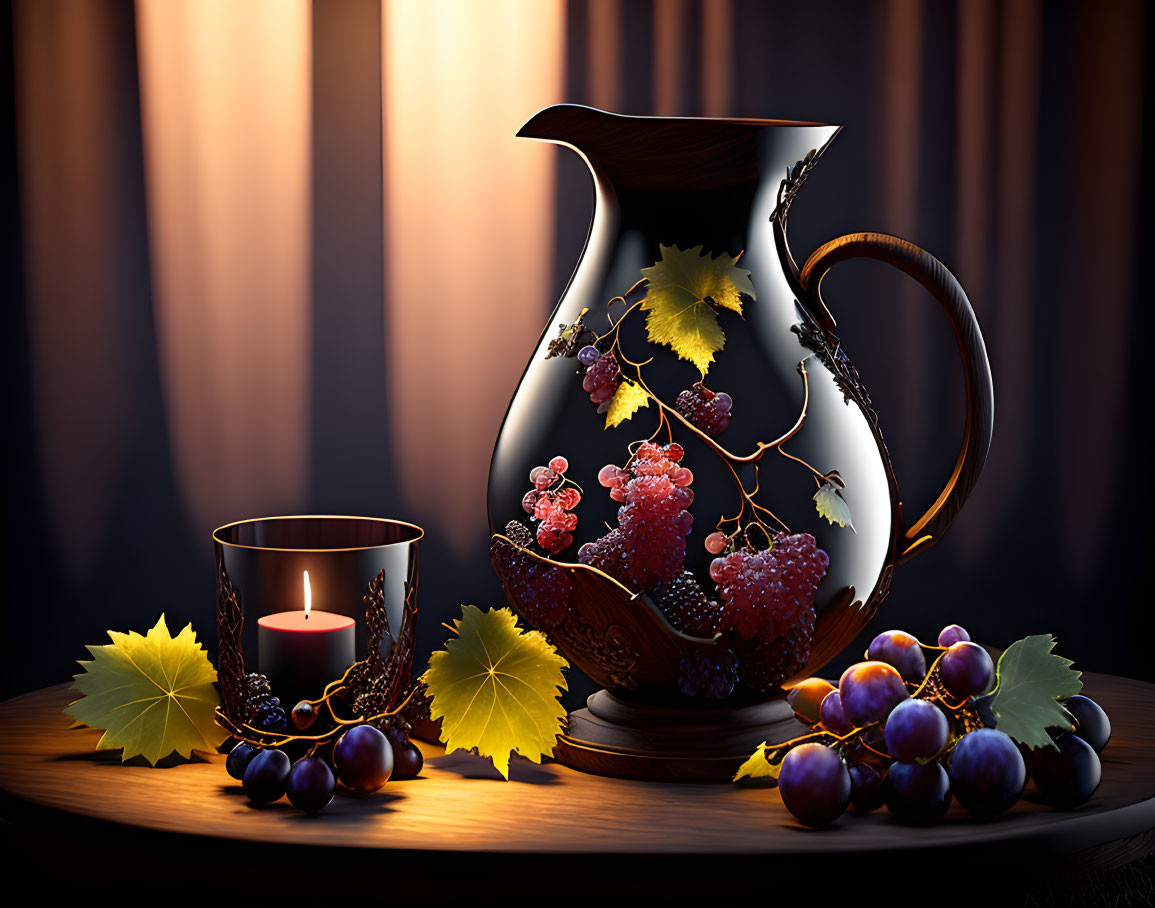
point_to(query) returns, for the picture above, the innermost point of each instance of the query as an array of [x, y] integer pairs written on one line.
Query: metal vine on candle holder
[[374, 689]]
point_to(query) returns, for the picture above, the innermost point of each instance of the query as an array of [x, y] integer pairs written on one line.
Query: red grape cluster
[[706, 410], [541, 591], [552, 507], [686, 606], [768, 592], [649, 544], [601, 380]]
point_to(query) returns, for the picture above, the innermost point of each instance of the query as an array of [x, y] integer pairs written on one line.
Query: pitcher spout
[[562, 123], [684, 153]]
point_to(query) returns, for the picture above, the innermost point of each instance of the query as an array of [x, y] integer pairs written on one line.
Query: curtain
[[271, 257]]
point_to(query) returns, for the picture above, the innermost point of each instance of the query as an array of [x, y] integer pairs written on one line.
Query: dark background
[[1006, 138]]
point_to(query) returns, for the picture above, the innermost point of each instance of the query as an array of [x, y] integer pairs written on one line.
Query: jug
[[690, 493]]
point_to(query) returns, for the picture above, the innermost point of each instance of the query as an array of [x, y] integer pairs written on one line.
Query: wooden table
[[78, 813]]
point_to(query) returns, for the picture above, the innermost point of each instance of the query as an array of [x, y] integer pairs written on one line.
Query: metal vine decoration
[[373, 689], [789, 187], [230, 660]]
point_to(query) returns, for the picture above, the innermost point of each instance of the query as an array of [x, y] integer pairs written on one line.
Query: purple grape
[[311, 785], [588, 355], [917, 793], [407, 761], [814, 784], [266, 776], [1066, 777], [238, 759], [952, 634], [1092, 724], [900, 649], [915, 729], [407, 758], [396, 735], [833, 716], [363, 758], [869, 691], [987, 772], [966, 670], [865, 787]]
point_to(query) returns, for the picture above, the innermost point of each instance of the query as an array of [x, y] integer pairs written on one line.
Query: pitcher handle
[[980, 400]]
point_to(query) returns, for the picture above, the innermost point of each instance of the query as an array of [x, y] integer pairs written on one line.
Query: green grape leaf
[[831, 505], [758, 766], [683, 292], [1031, 681], [495, 688], [151, 695], [627, 400]]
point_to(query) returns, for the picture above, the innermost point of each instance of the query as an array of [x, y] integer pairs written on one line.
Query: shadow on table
[[471, 766], [113, 756], [344, 806]]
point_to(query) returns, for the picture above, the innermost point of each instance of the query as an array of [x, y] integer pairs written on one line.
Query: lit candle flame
[[308, 595]]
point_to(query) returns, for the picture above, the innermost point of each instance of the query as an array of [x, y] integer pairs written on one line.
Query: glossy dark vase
[[727, 186]]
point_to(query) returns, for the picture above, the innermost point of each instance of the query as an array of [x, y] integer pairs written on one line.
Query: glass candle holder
[[314, 608]]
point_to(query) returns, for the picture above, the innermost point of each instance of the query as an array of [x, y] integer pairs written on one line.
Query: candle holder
[[325, 609]]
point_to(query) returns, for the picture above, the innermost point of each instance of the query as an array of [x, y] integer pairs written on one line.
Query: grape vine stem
[[262, 738], [666, 414]]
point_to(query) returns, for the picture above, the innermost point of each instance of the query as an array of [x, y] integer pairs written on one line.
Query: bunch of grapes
[[686, 607], [712, 673], [541, 591], [706, 410], [766, 665], [254, 696], [363, 759], [915, 753], [551, 505], [603, 375], [648, 546], [768, 592], [270, 716]]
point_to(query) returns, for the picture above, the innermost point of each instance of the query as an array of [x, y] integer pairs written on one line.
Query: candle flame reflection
[[308, 595]]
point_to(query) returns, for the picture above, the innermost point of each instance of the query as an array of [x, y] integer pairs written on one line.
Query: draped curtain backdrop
[[274, 256]]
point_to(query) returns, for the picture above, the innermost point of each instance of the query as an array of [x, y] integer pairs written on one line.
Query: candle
[[303, 650]]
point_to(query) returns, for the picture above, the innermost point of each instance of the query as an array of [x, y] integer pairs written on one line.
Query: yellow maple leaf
[[758, 766], [151, 695], [627, 400], [495, 688], [682, 292]]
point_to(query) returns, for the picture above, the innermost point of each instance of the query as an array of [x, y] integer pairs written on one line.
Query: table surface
[[459, 806]]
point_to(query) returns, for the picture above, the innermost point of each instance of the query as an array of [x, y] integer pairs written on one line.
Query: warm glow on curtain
[[77, 264], [225, 90], [469, 235]]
